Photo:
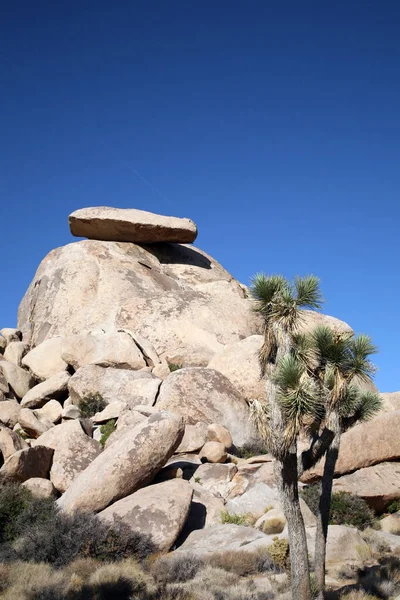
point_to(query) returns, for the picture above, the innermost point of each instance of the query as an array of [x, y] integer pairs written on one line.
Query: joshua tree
[[338, 363], [292, 398]]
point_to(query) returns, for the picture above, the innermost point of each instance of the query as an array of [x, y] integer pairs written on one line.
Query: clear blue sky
[[274, 125]]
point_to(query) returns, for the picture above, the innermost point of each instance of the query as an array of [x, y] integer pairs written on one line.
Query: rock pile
[[126, 390]]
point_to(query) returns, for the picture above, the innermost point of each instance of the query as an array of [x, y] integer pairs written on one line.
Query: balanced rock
[[206, 396], [113, 349], [122, 385], [19, 380], [40, 488], [45, 360], [73, 452], [26, 463], [128, 464], [159, 511], [213, 452], [53, 388], [15, 352], [10, 442], [176, 297], [130, 225], [379, 485], [366, 444], [9, 412]]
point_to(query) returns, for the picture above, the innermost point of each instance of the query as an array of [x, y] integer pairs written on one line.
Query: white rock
[[53, 388], [20, 381], [15, 352], [45, 360]]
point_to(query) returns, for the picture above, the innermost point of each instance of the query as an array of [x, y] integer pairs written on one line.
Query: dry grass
[[244, 564]]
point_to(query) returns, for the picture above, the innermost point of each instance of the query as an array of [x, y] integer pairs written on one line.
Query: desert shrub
[[358, 595], [255, 448], [244, 563], [176, 568], [174, 367], [246, 519], [14, 499], [90, 405], [63, 538], [279, 552], [34, 582], [106, 430], [394, 507], [346, 509]]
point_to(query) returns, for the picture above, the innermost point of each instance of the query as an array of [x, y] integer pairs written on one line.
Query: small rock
[[391, 524], [111, 411], [162, 370], [11, 335], [45, 360], [71, 412], [33, 426], [27, 463], [272, 521], [15, 352], [10, 442], [20, 381], [3, 344], [51, 411], [219, 433], [40, 488], [215, 478], [9, 412], [53, 388], [213, 452], [194, 438]]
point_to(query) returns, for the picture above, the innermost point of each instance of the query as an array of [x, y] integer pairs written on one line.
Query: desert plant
[[246, 519], [175, 569], [280, 554], [106, 430], [249, 450], [14, 500], [244, 563], [345, 509], [174, 367], [394, 507], [92, 404]]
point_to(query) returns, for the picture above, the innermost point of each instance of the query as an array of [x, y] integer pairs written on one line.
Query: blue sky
[[274, 125]]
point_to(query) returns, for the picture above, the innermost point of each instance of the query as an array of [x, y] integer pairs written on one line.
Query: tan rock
[[206, 509], [271, 522], [309, 518], [254, 501], [391, 524], [45, 360], [379, 485], [51, 411], [113, 349], [127, 420], [219, 433], [213, 452], [111, 411], [391, 401], [10, 442], [3, 344], [27, 463], [366, 444], [159, 511], [216, 478], [30, 423], [127, 465], [206, 396], [71, 412], [176, 297], [51, 389], [15, 352], [240, 364], [194, 438], [18, 380], [344, 545], [73, 452], [122, 385], [9, 412], [130, 225], [4, 389], [40, 488]]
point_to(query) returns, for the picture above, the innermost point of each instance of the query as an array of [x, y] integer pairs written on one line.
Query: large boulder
[[159, 511], [26, 463], [128, 464], [40, 488], [107, 349], [123, 385], [344, 545], [45, 360], [51, 389], [366, 444], [19, 380], [219, 538], [176, 297], [130, 225], [206, 396], [379, 485], [390, 401], [31, 424], [73, 452]]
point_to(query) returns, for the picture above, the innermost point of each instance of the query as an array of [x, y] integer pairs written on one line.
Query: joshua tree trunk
[[286, 477], [324, 506], [285, 469]]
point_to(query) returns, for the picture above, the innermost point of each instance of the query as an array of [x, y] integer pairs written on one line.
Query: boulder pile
[[126, 390]]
